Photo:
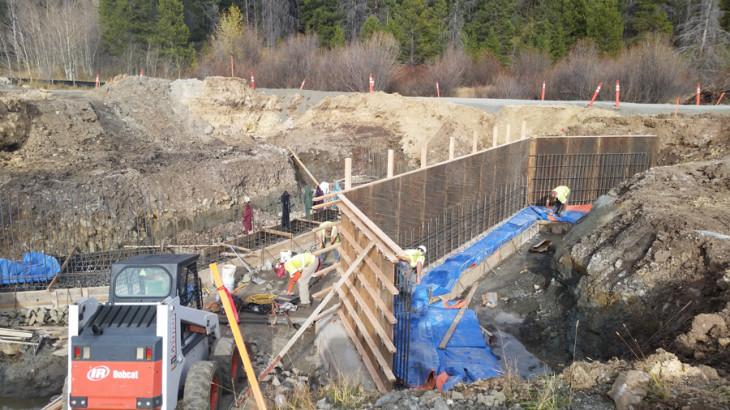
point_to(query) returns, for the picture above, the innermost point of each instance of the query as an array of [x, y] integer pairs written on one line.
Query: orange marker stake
[[596, 94], [676, 107]]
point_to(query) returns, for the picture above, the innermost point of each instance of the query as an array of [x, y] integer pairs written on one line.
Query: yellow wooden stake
[[237, 335]]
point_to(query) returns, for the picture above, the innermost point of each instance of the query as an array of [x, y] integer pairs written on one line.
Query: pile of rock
[[34, 317]]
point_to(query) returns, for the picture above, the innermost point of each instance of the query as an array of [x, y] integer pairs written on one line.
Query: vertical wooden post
[[474, 142], [508, 137], [231, 65], [390, 163], [424, 151], [523, 133], [451, 148], [348, 173], [494, 137]]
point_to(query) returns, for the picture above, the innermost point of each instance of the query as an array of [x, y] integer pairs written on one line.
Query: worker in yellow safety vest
[[415, 259], [558, 198], [328, 237], [301, 267]]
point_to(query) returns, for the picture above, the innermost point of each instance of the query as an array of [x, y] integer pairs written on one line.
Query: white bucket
[[228, 275]]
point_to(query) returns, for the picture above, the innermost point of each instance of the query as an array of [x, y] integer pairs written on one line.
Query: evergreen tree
[[416, 26], [171, 34], [321, 17], [114, 26], [604, 25], [648, 17], [371, 25], [125, 23], [725, 19], [490, 28]]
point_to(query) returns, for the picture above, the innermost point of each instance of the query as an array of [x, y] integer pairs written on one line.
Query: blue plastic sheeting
[[466, 358], [34, 267]]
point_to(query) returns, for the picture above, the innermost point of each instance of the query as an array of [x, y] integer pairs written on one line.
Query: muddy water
[[23, 404], [524, 343]]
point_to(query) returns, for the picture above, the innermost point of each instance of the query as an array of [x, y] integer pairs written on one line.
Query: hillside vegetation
[[658, 50]]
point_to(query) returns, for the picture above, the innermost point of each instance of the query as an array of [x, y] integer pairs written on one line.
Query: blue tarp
[[34, 267], [466, 358]]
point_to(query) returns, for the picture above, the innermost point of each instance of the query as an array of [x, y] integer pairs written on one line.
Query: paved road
[[490, 105], [493, 105]]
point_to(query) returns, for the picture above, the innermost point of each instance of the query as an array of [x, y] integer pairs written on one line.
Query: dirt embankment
[[653, 254]]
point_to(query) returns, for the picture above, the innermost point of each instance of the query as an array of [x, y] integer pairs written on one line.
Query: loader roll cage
[[152, 278]]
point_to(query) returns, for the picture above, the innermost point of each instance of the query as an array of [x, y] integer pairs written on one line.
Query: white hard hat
[[285, 256], [246, 199], [325, 187], [422, 249]]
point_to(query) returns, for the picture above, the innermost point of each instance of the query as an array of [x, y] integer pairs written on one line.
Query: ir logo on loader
[[97, 373]]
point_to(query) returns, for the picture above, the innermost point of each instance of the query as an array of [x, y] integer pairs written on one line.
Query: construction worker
[[558, 198], [415, 259], [301, 267], [328, 237]]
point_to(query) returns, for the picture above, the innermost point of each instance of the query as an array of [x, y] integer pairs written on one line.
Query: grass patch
[[346, 393], [341, 393]]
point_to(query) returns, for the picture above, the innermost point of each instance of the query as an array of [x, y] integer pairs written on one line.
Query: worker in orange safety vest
[[301, 267]]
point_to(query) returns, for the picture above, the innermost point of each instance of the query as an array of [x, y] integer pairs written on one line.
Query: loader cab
[[153, 278]]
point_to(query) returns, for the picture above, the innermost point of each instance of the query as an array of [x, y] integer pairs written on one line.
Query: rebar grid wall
[[445, 205], [589, 166]]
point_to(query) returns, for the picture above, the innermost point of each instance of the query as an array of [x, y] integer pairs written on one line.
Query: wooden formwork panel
[[367, 299]]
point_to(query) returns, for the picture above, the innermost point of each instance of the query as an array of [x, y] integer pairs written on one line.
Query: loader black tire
[[203, 388], [225, 353]]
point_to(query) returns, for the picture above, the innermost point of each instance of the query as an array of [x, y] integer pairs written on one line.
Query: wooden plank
[[457, 319], [317, 311], [55, 278], [15, 333], [327, 312], [322, 292], [348, 173], [327, 249], [319, 228], [275, 232], [326, 270], [384, 364], [363, 354], [301, 164], [326, 204], [382, 247], [315, 223], [374, 295], [384, 280], [238, 248], [35, 298], [370, 224], [384, 337]]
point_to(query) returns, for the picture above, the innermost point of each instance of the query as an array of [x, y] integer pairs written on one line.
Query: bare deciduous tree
[[46, 38], [449, 70], [702, 38]]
